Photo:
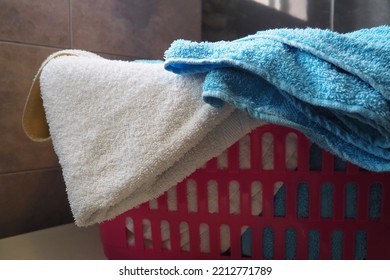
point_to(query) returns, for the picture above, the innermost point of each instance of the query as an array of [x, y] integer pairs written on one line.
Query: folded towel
[[335, 88], [125, 132]]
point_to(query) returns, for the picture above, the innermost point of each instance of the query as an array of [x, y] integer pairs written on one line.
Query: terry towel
[[333, 87], [125, 132]]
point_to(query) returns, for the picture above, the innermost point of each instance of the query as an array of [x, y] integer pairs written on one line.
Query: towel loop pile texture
[[333, 87], [124, 132]]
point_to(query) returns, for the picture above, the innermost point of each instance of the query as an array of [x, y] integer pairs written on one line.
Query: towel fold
[[335, 88], [125, 132]]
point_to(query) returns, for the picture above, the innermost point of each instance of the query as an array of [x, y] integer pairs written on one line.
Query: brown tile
[[138, 28], [44, 22], [233, 19], [18, 65], [351, 15], [32, 200]]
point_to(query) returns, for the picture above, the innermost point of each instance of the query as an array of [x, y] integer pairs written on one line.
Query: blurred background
[[32, 191]]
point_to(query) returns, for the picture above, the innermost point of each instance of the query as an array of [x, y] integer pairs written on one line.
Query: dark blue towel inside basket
[[314, 236]]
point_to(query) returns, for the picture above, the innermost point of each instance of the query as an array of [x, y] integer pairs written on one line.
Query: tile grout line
[[30, 44], [61, 48], [332, 3], [70, 31], [54, 168]]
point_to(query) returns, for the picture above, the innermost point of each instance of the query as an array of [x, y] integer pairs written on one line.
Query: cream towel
[[125, 132]]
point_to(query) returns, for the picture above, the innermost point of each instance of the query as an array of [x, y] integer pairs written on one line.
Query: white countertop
[[66, 242]]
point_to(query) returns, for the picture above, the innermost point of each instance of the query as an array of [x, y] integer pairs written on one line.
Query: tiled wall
[[350, 15], [232, 19], [32, 191]]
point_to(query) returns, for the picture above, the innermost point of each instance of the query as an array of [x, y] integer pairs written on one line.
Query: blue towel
[[335, 88]]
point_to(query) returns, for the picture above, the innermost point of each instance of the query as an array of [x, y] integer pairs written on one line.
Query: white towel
[[125, 132]]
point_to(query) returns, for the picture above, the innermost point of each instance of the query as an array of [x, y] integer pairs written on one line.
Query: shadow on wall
[[232, 19], [350, 15]]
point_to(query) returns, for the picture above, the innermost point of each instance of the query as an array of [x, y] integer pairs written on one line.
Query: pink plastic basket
[[356, 225]]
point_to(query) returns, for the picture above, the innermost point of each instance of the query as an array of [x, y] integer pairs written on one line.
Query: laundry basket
[[325, 209]]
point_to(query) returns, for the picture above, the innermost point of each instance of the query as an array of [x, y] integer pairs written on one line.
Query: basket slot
[[245, 153], [185, 242], [256, 150], [327, 200], [234, 157], [147, 234], [363, 205], [279, 199], [340, 199], [234, 198], [350, 201], [375, 201], [337, 240], [290, 244], [172, 199], [165, 235], [303, 153], [138, 234], [156, 234], [267, 151], [203, 243], [360, 245], [181, 191], [339, 164], [279, 152], [212, 197], [225, 240], [268, 243], [202, 195], [385, 216], [303, 200], [315, 158], [246, 241], [257, 198], [291, 151], [130, 231], [192, 196], [223, 197], [314, 244]]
